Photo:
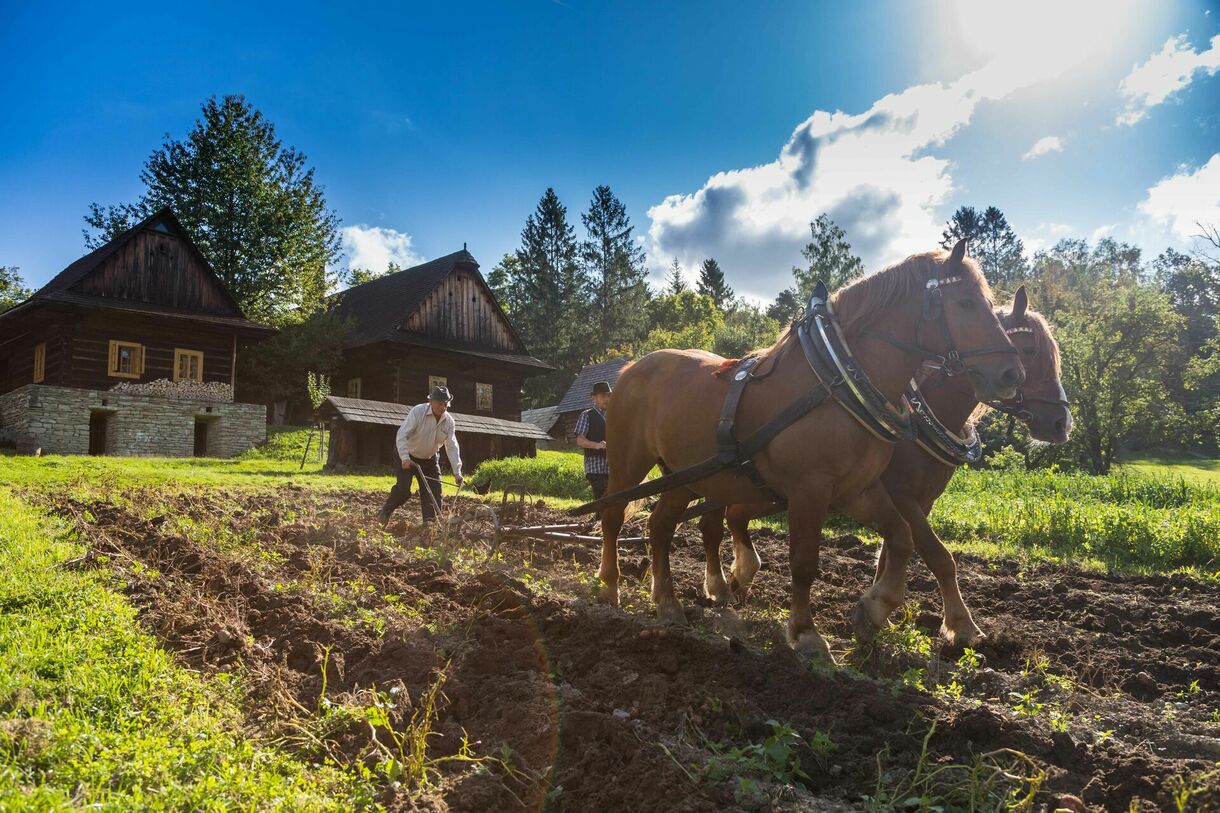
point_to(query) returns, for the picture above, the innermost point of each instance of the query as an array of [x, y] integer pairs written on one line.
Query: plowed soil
[[1091, 691]]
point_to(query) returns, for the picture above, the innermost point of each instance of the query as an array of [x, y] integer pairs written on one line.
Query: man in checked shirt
[[591, 436], [427, 428]]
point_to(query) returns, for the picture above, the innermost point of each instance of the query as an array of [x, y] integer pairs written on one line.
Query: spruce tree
[[553, 310], [992, 242], [830, 261], [249, 203], [675, 283], [614, 265], [712, 284]]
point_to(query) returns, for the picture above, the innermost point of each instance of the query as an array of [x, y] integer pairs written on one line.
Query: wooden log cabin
[[146, 307], [435, 323]]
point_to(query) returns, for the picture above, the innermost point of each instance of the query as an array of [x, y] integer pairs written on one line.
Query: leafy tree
[[12, 287], [992, 242], [359, 276], [746, 327], [614, 264], [553, 310], [685, 320], [503, 281], [830, 260], [251, 205], [280, 369], [1115, 348], [712, 284], [675, 283], [1193, 287]]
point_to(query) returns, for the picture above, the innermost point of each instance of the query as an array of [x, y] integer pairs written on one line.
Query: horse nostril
[[1011, 377], [1061, 426]]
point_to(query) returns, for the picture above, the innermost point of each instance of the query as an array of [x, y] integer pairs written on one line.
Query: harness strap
[[726, 436], [936, 439]]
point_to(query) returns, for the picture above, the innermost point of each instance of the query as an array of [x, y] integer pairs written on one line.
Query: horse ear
[[1019, 303], [958, 254]]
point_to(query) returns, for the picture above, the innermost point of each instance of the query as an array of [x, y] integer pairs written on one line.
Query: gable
[[462, 309], [158, 265]]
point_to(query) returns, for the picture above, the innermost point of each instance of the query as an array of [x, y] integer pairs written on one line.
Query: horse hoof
[[723, 597], [811, 647], [672, 615], [966, 636], [863, 625]]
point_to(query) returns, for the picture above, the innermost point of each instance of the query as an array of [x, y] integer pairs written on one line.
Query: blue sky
[[724, 127]]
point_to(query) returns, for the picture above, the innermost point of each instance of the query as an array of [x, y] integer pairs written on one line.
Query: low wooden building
[[559, 421], [433, 324], [130, 350], [362, 434]]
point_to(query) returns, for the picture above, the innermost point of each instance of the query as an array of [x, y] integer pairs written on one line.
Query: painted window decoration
[[40, 362], [353, 388], [435, 381], [482, 396], [126, 359], [188, 365]]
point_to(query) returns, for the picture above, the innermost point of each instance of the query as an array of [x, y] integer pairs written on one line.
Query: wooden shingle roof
[[577, 396], [386, 413]]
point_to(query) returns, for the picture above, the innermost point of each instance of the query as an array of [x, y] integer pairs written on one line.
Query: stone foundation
[[58, 420]]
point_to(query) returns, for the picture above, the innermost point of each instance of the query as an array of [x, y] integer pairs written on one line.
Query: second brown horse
[[667, 404]]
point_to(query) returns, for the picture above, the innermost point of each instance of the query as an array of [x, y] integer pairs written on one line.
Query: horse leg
[[711, 527], [804, 539], [873, 507], [958, 628], [661, 526], [746, 561]]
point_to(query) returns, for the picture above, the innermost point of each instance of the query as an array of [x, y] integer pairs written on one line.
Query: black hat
[[440, 394], [602, 388]]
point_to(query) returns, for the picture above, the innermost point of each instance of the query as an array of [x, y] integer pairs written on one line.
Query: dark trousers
[[429, 468], [599, 483]]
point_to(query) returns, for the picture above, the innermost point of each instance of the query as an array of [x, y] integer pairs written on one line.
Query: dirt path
[[1106, 687]]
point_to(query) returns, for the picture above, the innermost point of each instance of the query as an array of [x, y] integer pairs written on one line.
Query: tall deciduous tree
[[552, 311], [251, 205], [712, 284], [12, 287], [830, 260], [614, 264]]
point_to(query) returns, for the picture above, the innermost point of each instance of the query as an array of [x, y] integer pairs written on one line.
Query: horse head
[[1040, 403]]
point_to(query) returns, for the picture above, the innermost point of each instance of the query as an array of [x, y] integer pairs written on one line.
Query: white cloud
[[1164, 74], [1183, 200], [1044, 145], [374, 248], [874, 173], [1102, 231]]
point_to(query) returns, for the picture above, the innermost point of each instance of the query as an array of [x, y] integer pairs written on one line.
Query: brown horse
[[667, 404], [915, 479]]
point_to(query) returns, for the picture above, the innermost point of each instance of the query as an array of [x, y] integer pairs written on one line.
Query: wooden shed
[[362, 434]]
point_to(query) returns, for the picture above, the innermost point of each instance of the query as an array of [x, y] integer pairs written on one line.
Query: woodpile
[[182, 390]]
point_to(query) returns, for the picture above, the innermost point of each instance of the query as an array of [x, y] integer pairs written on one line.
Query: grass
[[1166, 465], [551, 474], [94, 714]]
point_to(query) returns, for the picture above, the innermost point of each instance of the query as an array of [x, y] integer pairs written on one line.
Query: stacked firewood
[[183, 389]]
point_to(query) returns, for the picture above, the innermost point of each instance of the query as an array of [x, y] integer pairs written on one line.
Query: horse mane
[[861, 302]]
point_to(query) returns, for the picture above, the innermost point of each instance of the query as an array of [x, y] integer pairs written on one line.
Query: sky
[[724, 127]]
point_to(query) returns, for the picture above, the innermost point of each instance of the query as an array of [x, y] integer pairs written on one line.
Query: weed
[[776, 760]]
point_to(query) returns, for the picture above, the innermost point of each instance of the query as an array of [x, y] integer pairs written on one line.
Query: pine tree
[[552, 309], [249, 203], [992, 242], [614, 265], [675, 283], [830, 261], [712, 284]]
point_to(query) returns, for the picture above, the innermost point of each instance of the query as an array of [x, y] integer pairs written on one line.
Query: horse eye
[[966, 304]]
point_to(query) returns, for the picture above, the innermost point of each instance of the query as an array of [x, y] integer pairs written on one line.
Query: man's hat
[[602, 388], [440, 394]]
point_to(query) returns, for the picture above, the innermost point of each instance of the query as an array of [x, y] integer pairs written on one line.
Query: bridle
[[1015, 407], [952, 362]]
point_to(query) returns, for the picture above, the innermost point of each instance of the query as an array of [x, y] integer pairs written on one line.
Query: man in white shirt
[[426, 429]]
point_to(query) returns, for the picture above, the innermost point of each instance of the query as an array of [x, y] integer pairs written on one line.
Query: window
[[40, 362], [353, 388], [482, 396], [126, 359], [435, 381], [188, 365]]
